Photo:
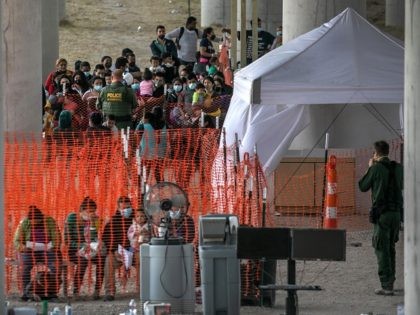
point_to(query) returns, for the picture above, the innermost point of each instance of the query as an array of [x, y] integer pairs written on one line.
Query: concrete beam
[[301, 16], [412, 158], [2, 239], [61, 10], [49, 33], [394, 13], [22, 73]]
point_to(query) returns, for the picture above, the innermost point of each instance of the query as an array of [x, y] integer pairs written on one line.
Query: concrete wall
[[301, 16], [22, 73], [218, 12], [394, 13], [49, 36], [61, 9]]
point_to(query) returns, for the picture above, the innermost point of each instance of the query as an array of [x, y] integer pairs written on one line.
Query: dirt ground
[[347, 287], [95, 28]]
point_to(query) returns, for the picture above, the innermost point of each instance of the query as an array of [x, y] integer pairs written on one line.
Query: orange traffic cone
[[330, 220]]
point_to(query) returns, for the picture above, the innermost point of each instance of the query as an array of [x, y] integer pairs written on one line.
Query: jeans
[[81, 266], [28, 259]]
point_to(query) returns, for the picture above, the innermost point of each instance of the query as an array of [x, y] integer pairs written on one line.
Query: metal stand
[[291, 299]]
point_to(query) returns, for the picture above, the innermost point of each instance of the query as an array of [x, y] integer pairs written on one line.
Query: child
[[199, 94], [155, 64], [146, 86], [48, 125], [168, 66], [138, 232], [110, 123]]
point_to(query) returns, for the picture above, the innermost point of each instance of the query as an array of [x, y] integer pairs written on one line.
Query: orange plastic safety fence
[[74, 181], [70, 177]]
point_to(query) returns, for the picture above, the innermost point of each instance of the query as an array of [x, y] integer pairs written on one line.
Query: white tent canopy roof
[[346, 60]]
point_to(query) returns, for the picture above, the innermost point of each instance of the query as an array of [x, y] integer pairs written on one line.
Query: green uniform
[[385, 231], [119, 100]]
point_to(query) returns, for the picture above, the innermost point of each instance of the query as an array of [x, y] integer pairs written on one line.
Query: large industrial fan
[[167, 263]]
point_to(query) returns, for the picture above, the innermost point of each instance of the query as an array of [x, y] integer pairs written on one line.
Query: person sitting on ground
[[95, 123], [82, 236], [37, 239], [110, 123], [115, 235], [139, 231]]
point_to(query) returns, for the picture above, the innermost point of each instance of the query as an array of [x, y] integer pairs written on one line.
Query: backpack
[[44, 286], [181, 32]]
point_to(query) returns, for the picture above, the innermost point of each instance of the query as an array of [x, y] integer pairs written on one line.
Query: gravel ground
[[348, 287]]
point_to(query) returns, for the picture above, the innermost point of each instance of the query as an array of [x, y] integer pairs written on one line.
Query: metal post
[[291, 299], [233, 31], [243, 33], [254, 30]]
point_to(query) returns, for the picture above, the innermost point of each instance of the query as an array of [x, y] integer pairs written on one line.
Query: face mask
[[77, 81], [213, 37], [135, 86], [97, 87], [177, 88], [151, 68], [161, 36], [175, 214], [192, 86], [169, 65], [278, 33], [87, 73], [126, 213], [85, 216]]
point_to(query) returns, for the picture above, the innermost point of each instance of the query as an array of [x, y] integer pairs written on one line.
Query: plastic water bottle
[[400, 309], [132, 307], [68, 310]]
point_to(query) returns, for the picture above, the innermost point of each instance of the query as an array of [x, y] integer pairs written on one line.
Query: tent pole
[[243, 34], [254, 30], [327, 136]]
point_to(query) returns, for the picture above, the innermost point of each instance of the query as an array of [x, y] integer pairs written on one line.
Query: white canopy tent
[[346, 61]]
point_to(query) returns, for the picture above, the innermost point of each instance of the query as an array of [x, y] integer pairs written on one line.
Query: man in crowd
[[162, 45], [385, 180], [186, 41]]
